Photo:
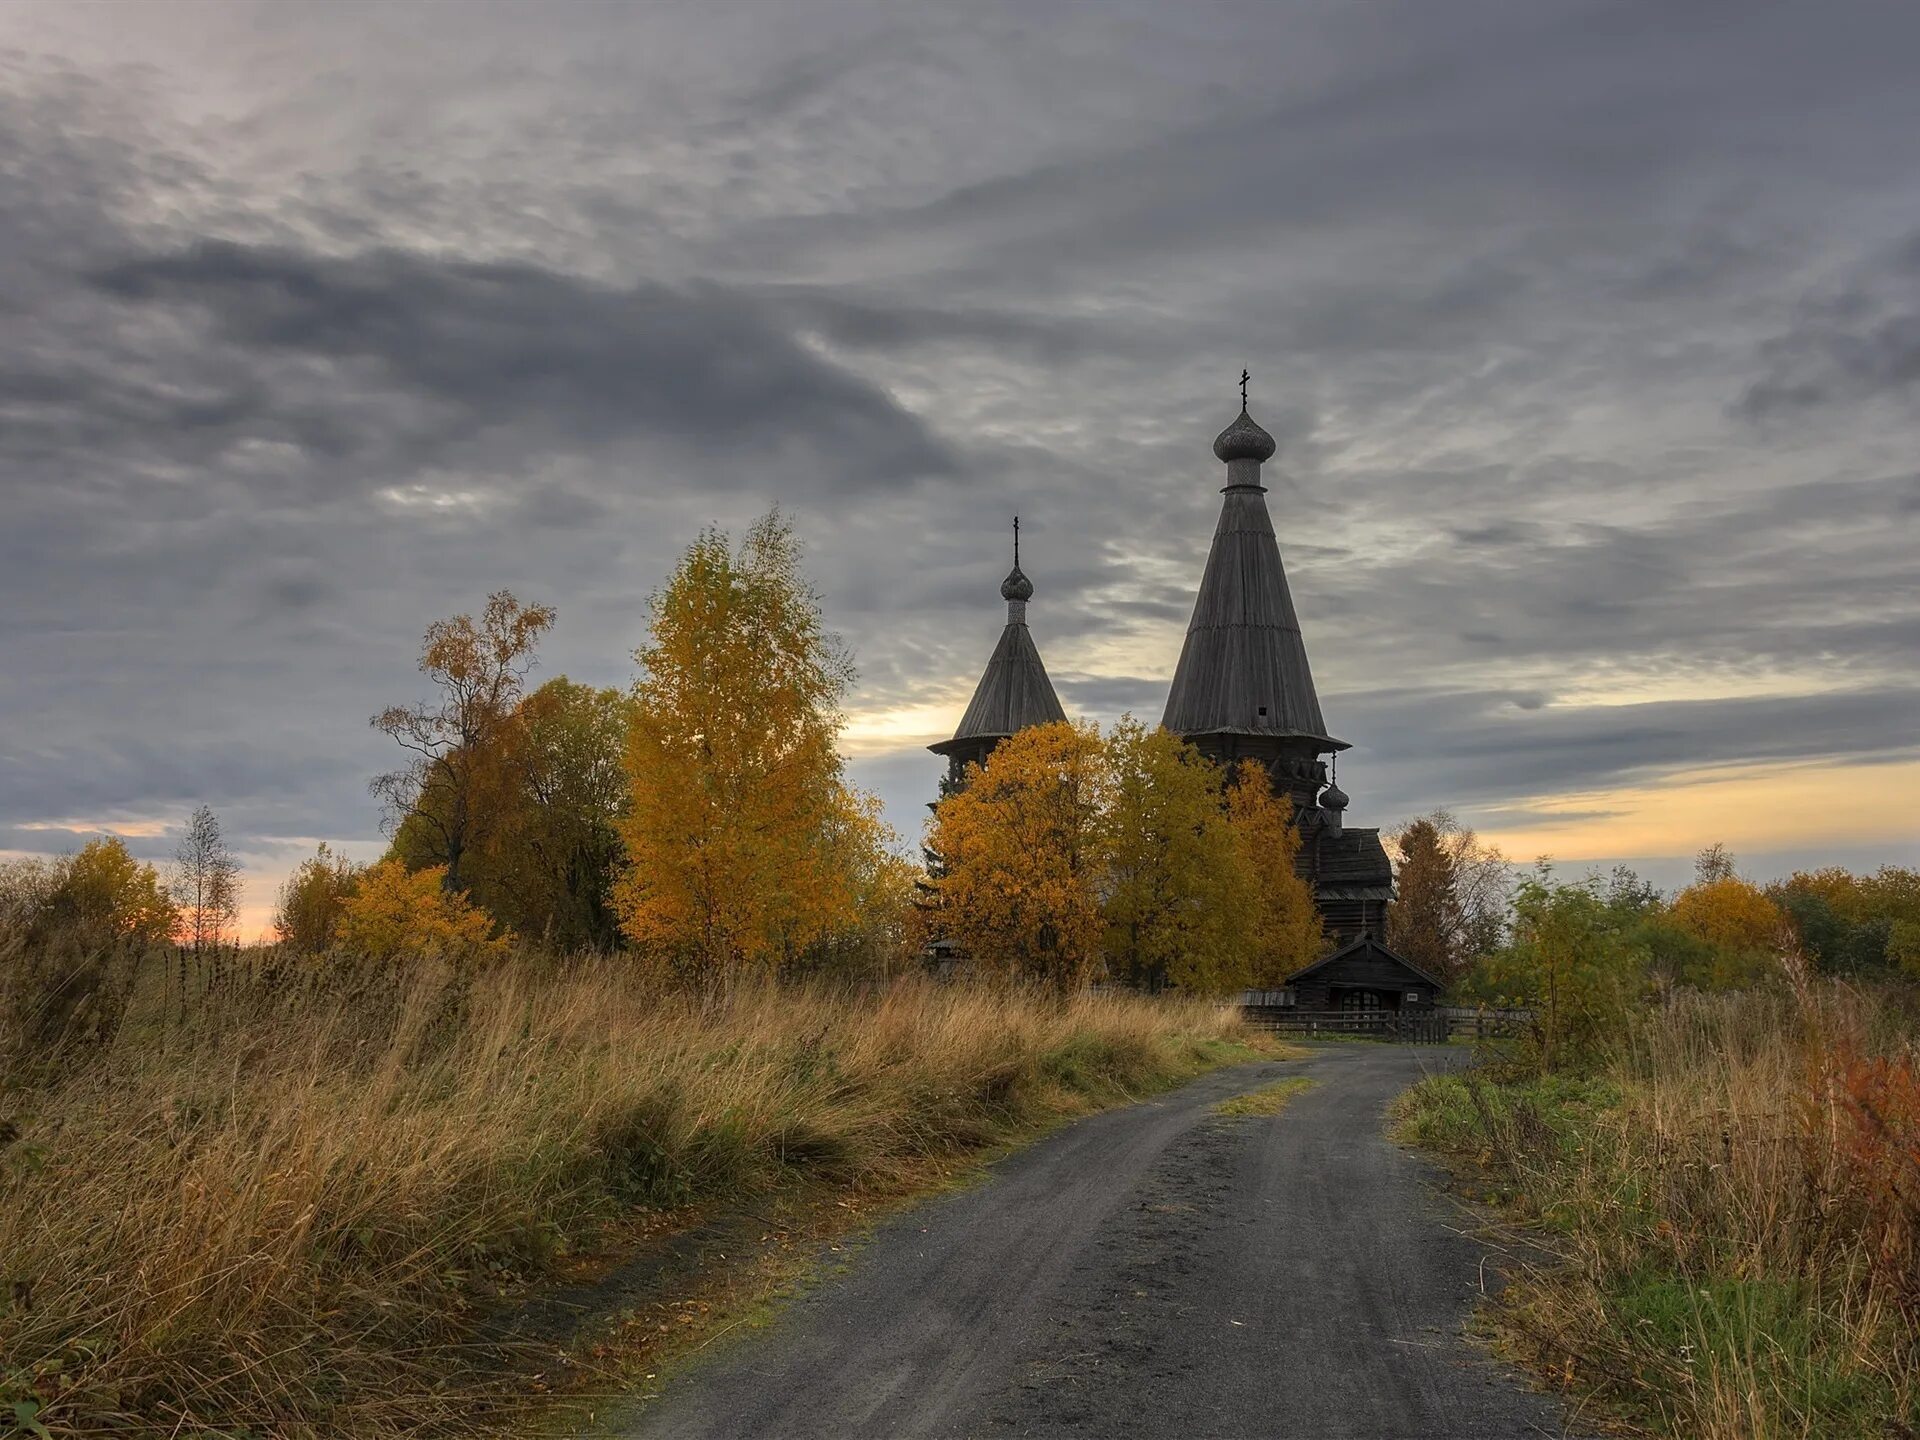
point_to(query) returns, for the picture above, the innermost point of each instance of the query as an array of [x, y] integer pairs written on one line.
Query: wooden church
[[1242, 690]]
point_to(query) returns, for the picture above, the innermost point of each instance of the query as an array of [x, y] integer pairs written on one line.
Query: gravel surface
[[1153, 1271]]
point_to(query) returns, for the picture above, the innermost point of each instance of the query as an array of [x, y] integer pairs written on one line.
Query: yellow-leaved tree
[[1180, 903], [312, 899], [740, 825], [859, 847], [1285, 927], [1741, 930], [1019, 889], [72, 931]]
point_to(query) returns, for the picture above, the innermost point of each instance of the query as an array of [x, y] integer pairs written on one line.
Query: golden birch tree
[[1739, 927], [1019, 886], [1180, 902], [1285, 929], [733, 778]]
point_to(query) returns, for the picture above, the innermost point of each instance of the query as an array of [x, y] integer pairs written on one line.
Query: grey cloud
[[1487, 750], [1862, 344], [1489, 119], [275, 392], [509, 346]]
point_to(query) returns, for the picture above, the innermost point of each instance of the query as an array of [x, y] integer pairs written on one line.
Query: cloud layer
[[1592, 336]]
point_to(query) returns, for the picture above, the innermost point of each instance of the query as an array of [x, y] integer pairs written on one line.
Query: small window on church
[[1413, 997], [1263, 710]]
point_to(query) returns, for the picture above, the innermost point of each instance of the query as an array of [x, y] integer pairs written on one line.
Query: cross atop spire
[[1244, 378], [1016, 589]]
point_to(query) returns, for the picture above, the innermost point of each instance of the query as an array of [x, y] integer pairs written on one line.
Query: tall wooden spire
[[1014, 690], [1243, 687]]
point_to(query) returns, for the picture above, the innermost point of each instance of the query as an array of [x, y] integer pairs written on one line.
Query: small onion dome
[[1244, 440], [1016, 586], [1333, 798]]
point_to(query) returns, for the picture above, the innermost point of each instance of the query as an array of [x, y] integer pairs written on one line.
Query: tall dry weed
[[281, 1211], [1734, 1195]]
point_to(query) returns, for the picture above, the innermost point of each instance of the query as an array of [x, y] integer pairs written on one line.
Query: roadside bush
[[1576, 959], [1734, 1201]]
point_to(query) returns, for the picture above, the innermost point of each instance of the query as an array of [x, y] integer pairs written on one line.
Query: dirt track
[[1153, 1271]]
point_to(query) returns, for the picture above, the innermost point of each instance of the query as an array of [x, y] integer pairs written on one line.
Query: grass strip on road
[[1267, 1100]]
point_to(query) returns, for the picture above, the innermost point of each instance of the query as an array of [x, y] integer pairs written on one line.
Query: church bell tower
[[1243, 691]]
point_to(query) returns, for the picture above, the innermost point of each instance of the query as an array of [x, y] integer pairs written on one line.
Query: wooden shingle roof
[[1354, 857], [1014, 690], [1243, 669], [1366, 948]]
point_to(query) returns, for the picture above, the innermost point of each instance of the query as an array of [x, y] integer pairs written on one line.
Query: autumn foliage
[[1283, 930], [1068, 857], [451, 788], [1021, 850], [1740, 930], [746, 847], [73, 933], [1450, 905], [395, 913], [1179, 893], [312, 898]]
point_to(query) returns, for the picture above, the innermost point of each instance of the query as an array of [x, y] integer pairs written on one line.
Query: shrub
[[395, 912], [71, 932], [1733, 1199], [313, 901]]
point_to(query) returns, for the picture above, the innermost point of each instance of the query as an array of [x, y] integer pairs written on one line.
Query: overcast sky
[[1591, 335]]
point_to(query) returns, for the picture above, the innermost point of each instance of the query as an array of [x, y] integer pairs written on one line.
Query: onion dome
[[1016, 586], [1244, 440], [1333, 798]]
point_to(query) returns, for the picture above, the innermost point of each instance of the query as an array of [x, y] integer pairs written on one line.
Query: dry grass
[[1736, 1199], [280, 1211]]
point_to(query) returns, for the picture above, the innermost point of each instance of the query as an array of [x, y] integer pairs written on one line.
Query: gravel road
[[1153, 1271]]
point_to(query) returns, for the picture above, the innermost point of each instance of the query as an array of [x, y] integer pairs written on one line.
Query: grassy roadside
[[289, 1211], [1731, 1203]]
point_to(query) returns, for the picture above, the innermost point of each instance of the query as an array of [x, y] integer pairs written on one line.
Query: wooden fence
[[1413, 1026], [1480, 1023]]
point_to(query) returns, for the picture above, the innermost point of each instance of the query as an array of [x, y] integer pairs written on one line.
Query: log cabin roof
[[1362, 949], [1243, 669]]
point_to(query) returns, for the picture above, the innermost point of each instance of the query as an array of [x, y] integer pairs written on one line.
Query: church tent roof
[[1014, 691], [1243, 669]]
